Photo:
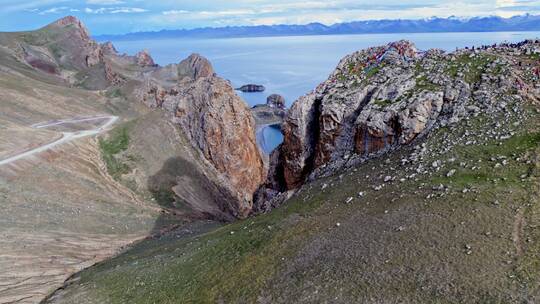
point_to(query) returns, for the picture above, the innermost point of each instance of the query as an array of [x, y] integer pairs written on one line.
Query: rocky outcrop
[[265, 115], [194, 67], [273, 112], [377, 100], [72, 35], [217, 122], [143, 58], [276, 101], [301, 134], [378, 128], [251, 88], [108, 48], [221, 126]]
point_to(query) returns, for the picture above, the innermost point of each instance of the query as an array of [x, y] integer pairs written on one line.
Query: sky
[[123, 16]]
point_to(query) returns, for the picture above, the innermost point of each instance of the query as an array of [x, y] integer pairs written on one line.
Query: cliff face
[[80, 51], [380, 98], [221, 126], [216, 121], [206, 108]]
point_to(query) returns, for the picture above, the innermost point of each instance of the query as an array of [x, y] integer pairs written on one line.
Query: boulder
[[276, 101]]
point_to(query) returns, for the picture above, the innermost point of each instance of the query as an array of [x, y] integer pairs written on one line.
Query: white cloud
[[175, 12], [9, 6], [104, 2], [54, 10], [330, 12], [114, 10]]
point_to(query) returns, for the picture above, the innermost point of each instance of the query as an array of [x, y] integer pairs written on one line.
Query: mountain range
[[432, 25]]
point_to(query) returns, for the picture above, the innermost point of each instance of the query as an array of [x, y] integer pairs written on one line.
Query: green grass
[[265, 254], [534, 56], [382, 103], [201, 268], [423, 83], [117, 142], [373, 71], [486, 174], [114, 93], [471, 67]]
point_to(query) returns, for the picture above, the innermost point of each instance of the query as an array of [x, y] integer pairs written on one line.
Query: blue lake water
[[269, 138], [293, 66]]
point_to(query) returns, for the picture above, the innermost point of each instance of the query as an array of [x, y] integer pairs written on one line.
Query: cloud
[[105, 2], [115, 10], [116, 16], [175, 12], [54, 10], [9, 6]]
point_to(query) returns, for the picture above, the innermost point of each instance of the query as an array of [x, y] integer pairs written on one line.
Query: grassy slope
[[116, 143], [481, 245]]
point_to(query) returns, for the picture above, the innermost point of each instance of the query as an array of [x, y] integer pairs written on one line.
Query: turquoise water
[[269, 138], [293, 66]]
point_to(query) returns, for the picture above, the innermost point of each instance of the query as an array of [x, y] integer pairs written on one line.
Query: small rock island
[[271, 113], [251, 88]]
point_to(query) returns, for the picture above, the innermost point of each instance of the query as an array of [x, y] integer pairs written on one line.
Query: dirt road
[[66, 136]]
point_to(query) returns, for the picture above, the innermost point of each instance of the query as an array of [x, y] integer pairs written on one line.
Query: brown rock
[[195, 66], [299, 130], [216, 121], [108, 48], [276, 101], [144, 59]]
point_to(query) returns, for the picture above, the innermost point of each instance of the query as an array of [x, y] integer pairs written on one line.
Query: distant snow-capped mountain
[[525, 22]]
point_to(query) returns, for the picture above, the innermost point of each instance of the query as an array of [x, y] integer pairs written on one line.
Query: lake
[[293, 66]]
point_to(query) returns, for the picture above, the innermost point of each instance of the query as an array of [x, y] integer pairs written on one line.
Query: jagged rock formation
[[194, 67], [380, 98], [144, 58], [216, 121], [276, 101]]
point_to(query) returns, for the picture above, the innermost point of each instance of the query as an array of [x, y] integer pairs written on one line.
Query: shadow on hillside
[[187, 195]]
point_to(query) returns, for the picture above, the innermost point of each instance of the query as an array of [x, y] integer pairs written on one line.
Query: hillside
[[90, 161], [406, 177]]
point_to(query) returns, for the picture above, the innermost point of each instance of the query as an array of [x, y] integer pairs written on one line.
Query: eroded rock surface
[[216, 121], [381, 98]]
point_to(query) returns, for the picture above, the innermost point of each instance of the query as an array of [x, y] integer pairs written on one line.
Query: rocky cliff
[[384, 97], [215, 119]]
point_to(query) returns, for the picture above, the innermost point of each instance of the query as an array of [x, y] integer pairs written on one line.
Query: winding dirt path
[[517, 231], [66, 136]]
